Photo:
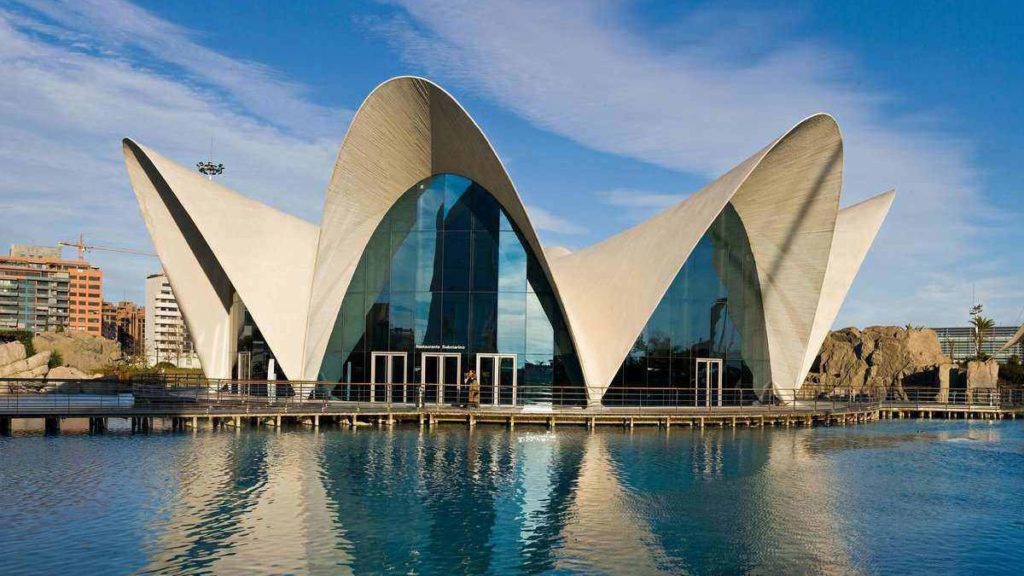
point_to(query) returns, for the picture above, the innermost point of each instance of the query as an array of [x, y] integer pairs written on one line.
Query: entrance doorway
[[440, 377], [389, 373], [708, 385], [497, 375]]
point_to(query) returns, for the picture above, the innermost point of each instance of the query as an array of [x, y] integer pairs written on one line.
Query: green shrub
[[23, 336], [1012, 371], [56, 359]]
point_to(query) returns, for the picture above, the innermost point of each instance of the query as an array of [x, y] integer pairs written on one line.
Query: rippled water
[[895, 497]]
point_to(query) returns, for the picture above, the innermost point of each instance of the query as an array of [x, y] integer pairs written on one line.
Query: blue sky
[[604, 113]]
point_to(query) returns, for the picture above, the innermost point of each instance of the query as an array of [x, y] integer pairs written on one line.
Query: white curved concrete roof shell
[[292, 275], [406, 130]]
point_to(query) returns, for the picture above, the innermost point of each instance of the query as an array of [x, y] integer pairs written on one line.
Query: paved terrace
[[189, 403]]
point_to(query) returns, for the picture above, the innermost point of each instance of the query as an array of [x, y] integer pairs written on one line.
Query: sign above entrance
[[444, 347]]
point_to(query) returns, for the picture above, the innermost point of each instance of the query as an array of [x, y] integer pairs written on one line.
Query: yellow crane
[[82, 247]]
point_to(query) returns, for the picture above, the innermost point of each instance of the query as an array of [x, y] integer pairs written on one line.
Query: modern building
[[166, 336], [958, 343], [425, 264], [125, 322], [82, 305], [32, 296]]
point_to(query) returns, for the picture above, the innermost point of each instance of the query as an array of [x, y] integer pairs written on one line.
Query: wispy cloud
[[79, 76], [699, 105], [640, 199], [548, 222]]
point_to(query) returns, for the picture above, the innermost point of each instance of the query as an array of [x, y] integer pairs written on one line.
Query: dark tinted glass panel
[[458, 203], [512, 322], [456, 261], [485, 261], [430, 205], [712, 309], [487, 213], [455, 319], [446, 270], [511, 263], [483, 332]]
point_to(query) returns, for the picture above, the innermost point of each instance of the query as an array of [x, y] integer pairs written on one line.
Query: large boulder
[[82, 351], [11, 352], [31, 367], [876, 360], [982, 374]]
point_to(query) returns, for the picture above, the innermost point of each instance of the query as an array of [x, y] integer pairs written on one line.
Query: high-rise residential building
[[166, 337], [125, 322], [30, 271], [32, 297]]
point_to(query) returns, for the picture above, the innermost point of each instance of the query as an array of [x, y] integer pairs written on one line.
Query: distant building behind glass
[[958, 342]]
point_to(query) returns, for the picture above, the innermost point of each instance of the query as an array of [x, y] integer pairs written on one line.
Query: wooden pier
[[336, 415]]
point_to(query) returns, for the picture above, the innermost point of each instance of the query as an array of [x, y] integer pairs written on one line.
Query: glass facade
[[446, 271], [711, 310]]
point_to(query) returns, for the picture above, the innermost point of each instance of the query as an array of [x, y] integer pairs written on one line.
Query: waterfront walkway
[[185, 405]]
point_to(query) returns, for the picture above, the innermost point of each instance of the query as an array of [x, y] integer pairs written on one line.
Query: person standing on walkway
[[473, 387]]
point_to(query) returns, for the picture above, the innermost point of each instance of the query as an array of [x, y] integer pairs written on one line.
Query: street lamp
[[209, 169]]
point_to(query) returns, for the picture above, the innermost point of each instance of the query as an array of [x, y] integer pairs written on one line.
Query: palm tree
[[982, 326]]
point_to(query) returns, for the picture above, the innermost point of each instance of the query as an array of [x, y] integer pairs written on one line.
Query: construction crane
[[82, 247]]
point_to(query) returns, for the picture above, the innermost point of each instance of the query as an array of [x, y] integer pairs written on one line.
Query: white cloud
[[74, 85], [640, 199], [702, 105], [548, 222]]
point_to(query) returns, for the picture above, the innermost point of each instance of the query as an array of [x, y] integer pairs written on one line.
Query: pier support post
[[551, 423], [316, 421], [52, 425], [5, 426], [511, 422]]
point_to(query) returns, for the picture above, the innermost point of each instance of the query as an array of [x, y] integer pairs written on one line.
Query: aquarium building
[[425, 264]]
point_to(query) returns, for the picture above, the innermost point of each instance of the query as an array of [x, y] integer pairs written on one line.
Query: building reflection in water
[[245, 501], [488, 500]]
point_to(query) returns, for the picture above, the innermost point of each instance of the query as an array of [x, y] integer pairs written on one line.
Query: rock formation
[[14, 363], [889, 360], [87, 353], [878, 360]]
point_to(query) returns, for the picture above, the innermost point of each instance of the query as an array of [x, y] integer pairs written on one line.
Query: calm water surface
[[912, 497]]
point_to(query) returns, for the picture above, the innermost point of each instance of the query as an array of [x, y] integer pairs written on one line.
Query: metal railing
[[170, 394]]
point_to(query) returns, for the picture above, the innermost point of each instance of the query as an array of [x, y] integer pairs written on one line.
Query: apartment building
[[51, 292], [166, 336]]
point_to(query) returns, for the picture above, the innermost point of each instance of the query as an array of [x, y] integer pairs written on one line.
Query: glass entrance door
[[708, 385], [497, 375], [388, 377], [440, 377]]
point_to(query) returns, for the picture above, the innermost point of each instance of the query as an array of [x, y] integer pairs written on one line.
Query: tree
[[983, 325]]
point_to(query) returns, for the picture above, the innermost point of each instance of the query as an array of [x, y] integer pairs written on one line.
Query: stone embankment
[[890, 360]]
